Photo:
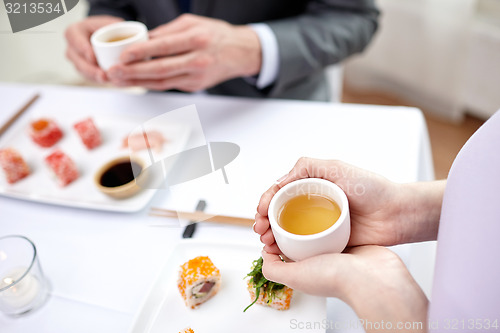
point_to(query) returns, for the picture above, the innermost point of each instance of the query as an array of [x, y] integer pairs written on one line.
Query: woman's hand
[[371, 279], [373, 201], [382, 212]]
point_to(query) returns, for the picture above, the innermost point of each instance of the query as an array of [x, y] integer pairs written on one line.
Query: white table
[[101, 264]]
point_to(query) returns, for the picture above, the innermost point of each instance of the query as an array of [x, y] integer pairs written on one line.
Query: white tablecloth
[[101, 264]]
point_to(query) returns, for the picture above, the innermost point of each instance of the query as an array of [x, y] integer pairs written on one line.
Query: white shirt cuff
[[270, 55]]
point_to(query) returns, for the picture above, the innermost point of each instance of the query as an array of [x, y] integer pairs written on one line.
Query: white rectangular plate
[[164, 310], [41, 186]]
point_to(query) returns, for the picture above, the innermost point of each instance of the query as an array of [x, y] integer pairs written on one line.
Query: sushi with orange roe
[[199, 280], [45, 132], [187, 330], [13, 165]]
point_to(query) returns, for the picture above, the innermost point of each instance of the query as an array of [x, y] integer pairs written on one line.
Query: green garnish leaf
[[257, 279]]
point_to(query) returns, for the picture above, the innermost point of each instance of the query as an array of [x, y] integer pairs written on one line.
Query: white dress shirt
[[270, 56]]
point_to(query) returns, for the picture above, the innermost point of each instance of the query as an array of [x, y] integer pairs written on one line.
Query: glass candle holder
[[23, 287]]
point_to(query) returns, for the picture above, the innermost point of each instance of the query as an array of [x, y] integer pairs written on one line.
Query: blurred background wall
[[37, 55], [441, 55]]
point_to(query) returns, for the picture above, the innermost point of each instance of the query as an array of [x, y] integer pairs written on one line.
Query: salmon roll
[[187, 330], [63, 167], [265, 292], [88, 132], [145, 140], [13, 165], [45, 132], [199, 280]]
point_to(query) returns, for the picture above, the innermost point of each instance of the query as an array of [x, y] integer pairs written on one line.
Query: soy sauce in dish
[[120, 174]]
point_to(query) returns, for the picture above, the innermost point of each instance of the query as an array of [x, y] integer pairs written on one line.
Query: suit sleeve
[[118, 8], [328, 32]]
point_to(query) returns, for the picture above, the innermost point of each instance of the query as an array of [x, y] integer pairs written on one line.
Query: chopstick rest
[[191, 227]]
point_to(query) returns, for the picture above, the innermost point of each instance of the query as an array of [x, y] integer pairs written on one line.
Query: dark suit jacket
[[311, 34]]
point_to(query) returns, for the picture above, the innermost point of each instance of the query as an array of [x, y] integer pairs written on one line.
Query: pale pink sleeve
[[466, 289]]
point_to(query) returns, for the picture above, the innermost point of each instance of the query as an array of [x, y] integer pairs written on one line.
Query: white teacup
[[125, 34], [332, 240]]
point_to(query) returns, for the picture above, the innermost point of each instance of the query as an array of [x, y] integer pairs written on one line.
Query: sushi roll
[[279, 299], [199, 280], [187, 330], [45, 132], [13, 165], [146, 140], [88, 132], [265, 292], [63, 167]]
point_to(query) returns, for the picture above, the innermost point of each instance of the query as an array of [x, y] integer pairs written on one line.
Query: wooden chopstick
[[202, 217], [18, 114]]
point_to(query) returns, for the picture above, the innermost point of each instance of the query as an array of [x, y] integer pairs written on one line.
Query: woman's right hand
[[382, 212], [79, 50]]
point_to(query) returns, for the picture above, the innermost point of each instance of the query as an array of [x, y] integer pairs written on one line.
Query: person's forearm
[[398, 309], [421, 210], [382, 292], [327, 33]]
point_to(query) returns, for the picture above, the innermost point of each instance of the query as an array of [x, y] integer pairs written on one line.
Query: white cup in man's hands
[[310, 217], [109, 41]]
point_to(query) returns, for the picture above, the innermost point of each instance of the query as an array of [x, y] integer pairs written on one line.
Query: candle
[[22, 293]]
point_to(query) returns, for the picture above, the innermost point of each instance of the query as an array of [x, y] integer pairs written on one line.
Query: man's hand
[[79, 50], [190, 53]]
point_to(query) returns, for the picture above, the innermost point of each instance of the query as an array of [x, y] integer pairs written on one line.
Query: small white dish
[[332, 240]]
